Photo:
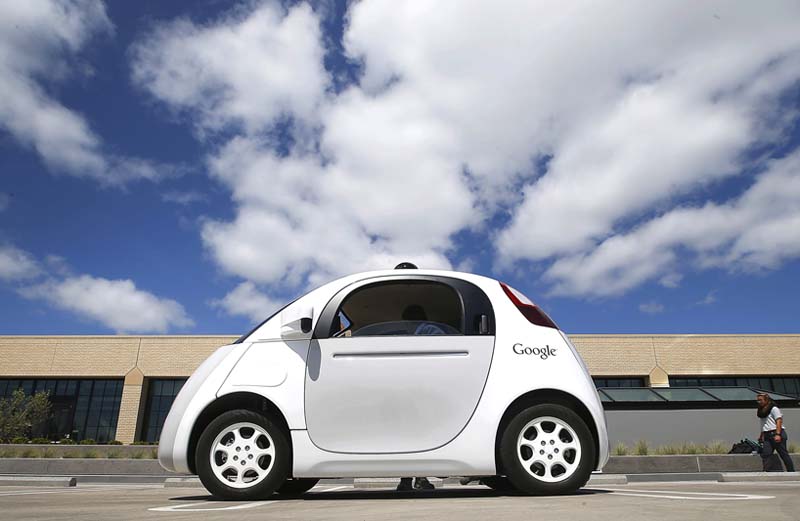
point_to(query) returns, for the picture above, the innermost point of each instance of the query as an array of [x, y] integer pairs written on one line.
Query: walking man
[[773, 435]]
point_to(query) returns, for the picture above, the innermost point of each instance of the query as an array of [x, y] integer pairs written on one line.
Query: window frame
[[102, 397], [471, 298], [618, 379], [787, 381], [147, 423]]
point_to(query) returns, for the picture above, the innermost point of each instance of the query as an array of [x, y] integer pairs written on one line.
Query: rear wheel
[[297, 486], [547, 449], [242, 455]]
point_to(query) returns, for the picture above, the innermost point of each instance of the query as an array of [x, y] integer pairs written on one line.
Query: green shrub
[[142, 443], [716, 447], [71, 454], [641, 448], [115, 442], [91, 453], [66, 441], [19, 412], [88, 441], [19, 440], [667, 450], [29, 453], [47, 452], [144, 454], [620, 449], [794, 448], [690, 448], [114, 454], [40, 441]]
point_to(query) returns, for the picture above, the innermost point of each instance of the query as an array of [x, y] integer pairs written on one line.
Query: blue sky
[[186, 168]]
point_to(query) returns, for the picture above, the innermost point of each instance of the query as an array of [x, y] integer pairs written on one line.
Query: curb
[[120, 479], [674, 476], [191, 482], [617, 465], [37, 481], [752, 477], [597, 480], [607, 479], [81, 466]]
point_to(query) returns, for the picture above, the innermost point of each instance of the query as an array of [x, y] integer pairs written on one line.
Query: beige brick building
[[120, 387]]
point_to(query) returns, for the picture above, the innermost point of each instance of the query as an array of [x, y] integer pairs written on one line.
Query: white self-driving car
[[390, 374]]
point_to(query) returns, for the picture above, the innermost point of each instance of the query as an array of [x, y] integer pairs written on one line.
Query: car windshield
[[244, 337]]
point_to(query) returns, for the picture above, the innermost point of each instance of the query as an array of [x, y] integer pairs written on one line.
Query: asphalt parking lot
[[646, 501]]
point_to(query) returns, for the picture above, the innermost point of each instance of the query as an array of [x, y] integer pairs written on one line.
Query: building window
[[81, 409], [618, 382], [160, 395], [779, 384]]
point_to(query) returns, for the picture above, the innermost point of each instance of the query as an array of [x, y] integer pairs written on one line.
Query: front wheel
[[242, 455], [547, 449]]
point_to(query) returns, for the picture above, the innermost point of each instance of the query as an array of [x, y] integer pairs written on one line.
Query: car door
[[398, 364]]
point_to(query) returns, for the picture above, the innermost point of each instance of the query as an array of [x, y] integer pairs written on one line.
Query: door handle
[[402, 354]]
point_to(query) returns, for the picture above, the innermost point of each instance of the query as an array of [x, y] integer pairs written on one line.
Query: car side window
[[400, 308]]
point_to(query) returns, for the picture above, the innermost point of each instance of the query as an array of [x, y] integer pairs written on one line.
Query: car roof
[[469, 277]]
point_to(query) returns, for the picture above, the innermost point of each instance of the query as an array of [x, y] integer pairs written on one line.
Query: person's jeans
[[770, 446]]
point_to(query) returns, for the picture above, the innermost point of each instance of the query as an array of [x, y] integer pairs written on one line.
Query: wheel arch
[[239, 400], [545, 396]]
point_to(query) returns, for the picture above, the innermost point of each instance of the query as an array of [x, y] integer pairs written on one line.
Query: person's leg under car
[[423, 484], [780, 448]]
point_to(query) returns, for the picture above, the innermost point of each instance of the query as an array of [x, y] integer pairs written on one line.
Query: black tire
[[262, 489], [498, 483], [525, 481], [297, 486]]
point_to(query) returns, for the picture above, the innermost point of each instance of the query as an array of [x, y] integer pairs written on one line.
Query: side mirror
[[296, 323]]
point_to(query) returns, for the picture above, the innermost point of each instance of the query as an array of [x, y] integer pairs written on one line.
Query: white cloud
[[671, 280], [651, 308], [304, 217], [628, 108], [710, 298], [39, 41], [757, 230], [16, 264], [245, 300], [117, 304], [296, 220], [248, 69]]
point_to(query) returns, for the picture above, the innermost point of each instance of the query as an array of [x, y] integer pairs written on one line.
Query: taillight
[[528, 308]]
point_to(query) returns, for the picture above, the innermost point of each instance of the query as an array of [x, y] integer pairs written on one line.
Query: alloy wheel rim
[[242, 455], [549, 449]]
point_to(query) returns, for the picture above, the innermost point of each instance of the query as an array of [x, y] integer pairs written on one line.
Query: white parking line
[[198, 507], [759, 483], [186, 507], [680, 494]]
